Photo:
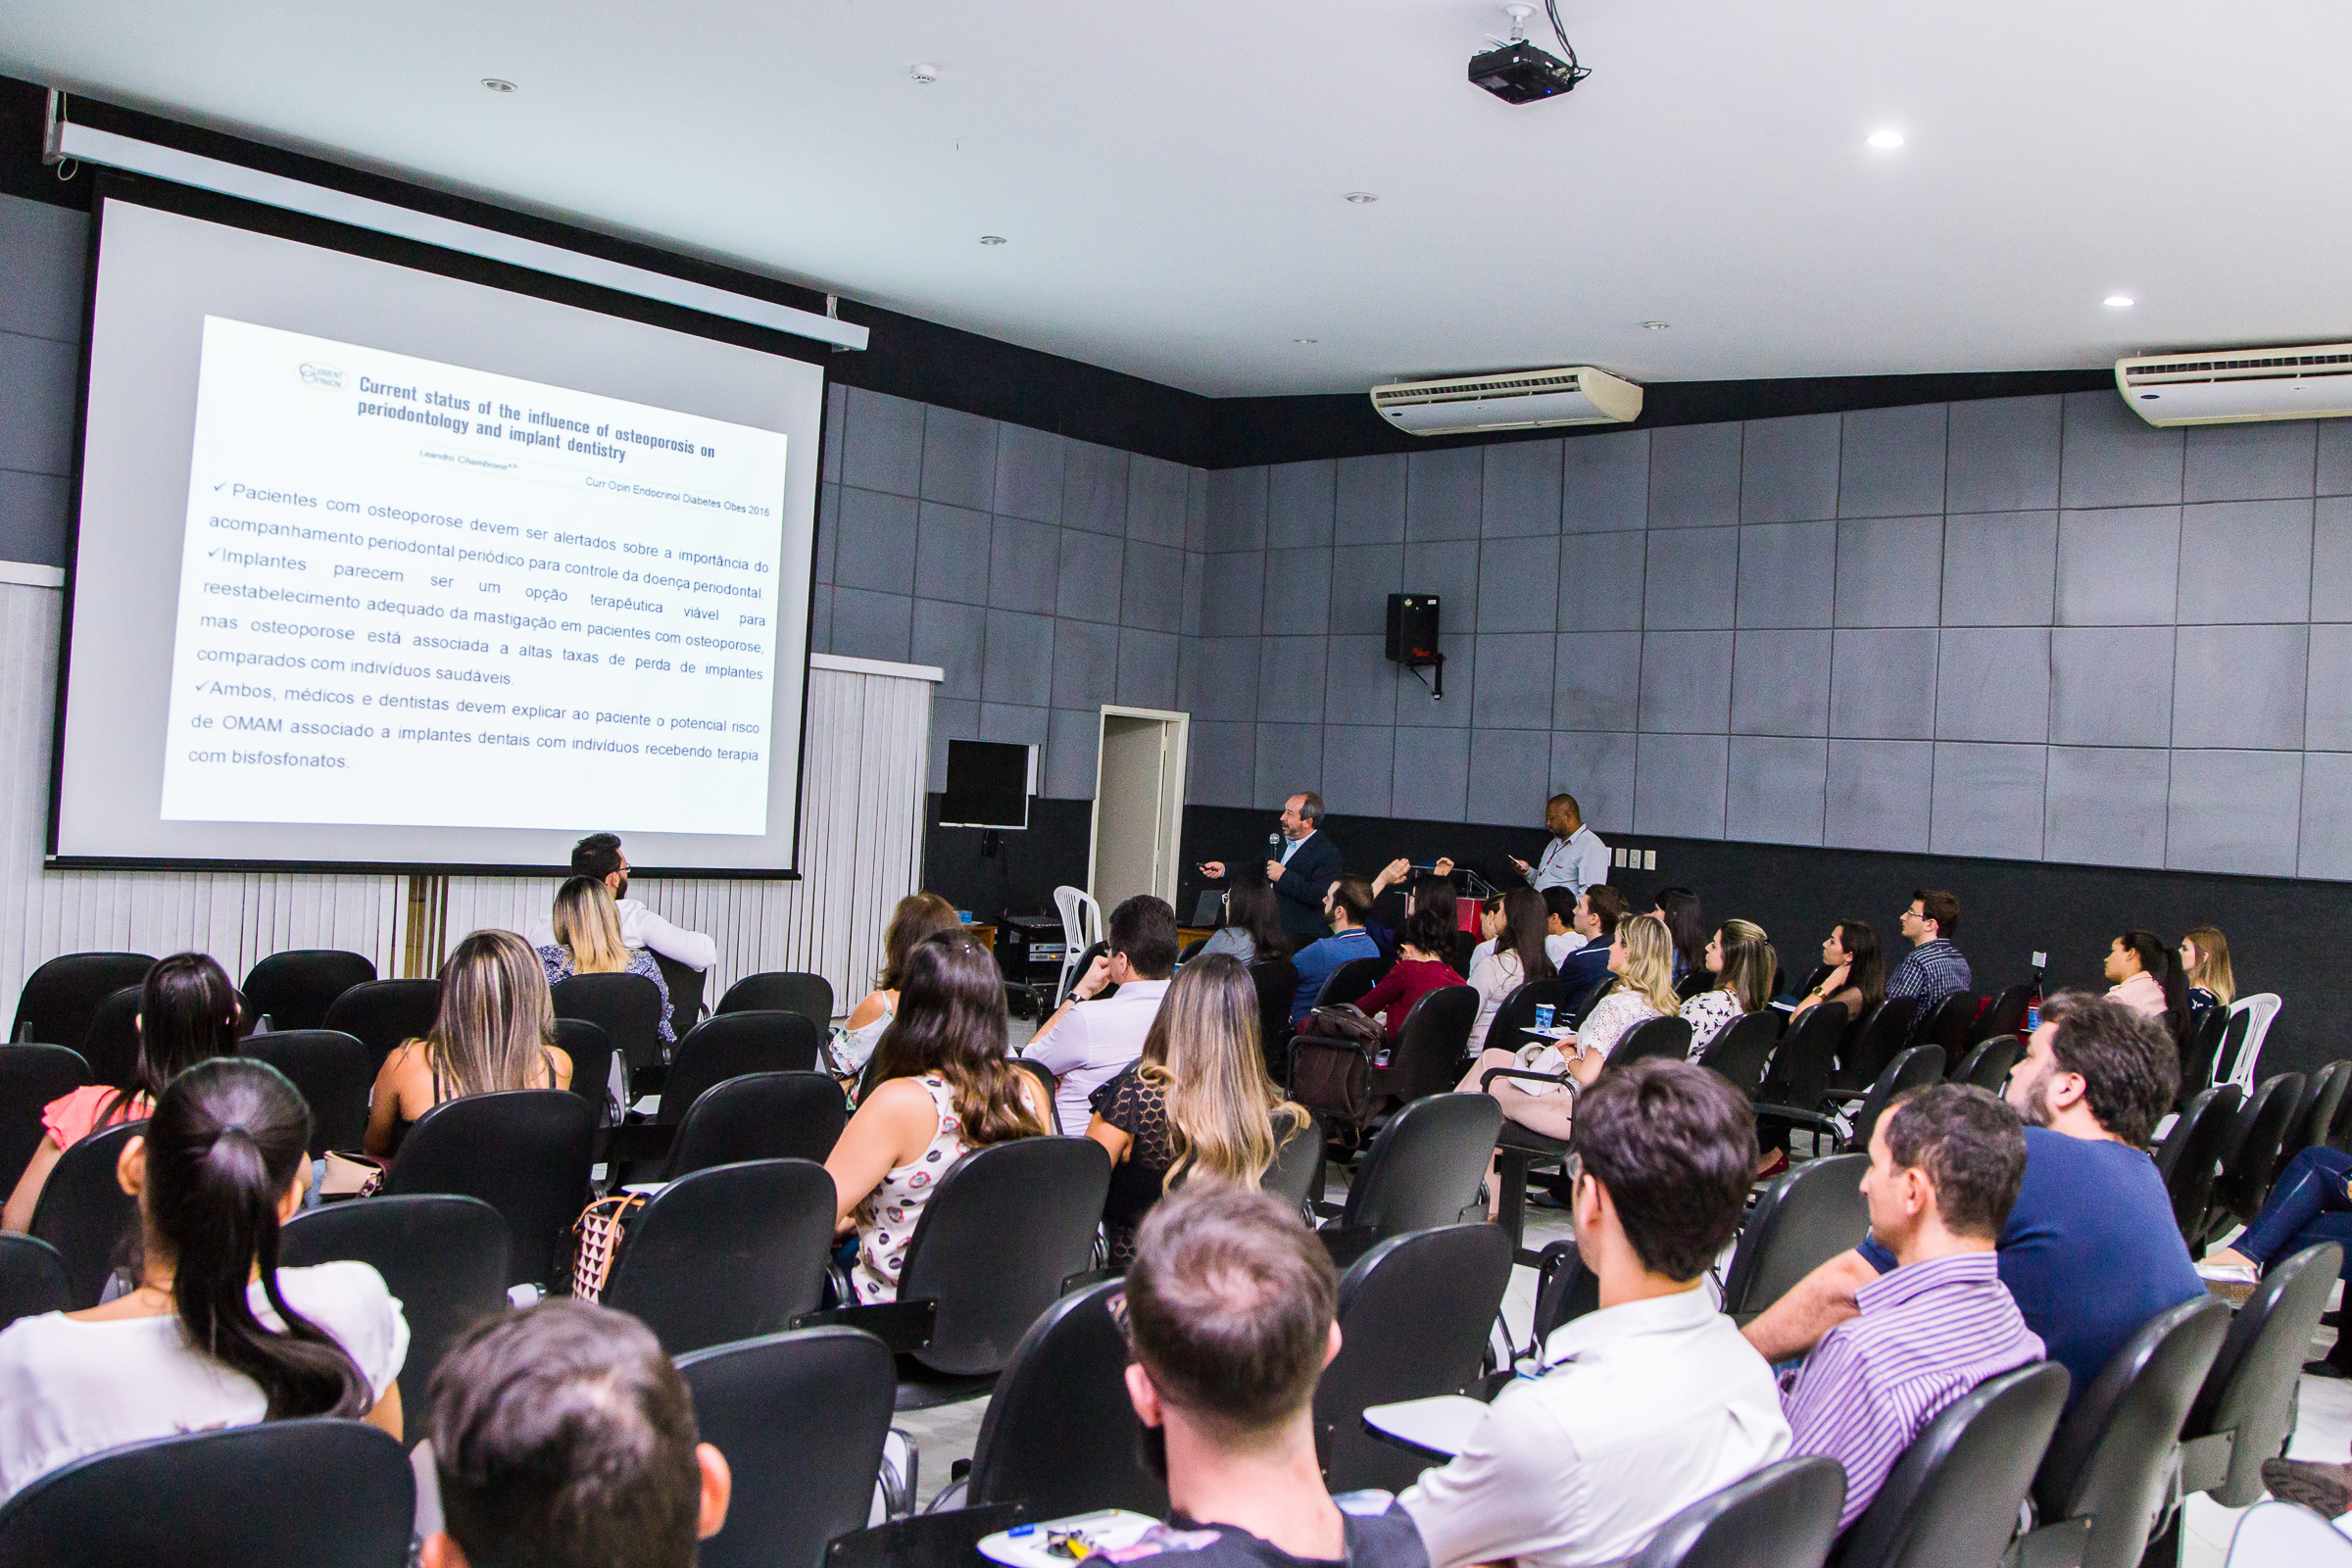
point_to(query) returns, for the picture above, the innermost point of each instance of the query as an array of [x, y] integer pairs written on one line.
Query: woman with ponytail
[[188, 1014], [215, 1334]]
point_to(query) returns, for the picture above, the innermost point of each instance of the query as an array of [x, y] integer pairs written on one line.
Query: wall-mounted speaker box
[[1413, 628]]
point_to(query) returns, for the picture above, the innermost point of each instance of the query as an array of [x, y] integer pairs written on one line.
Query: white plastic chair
[[2277, 1535], [2259, 1009], [1081, 929]]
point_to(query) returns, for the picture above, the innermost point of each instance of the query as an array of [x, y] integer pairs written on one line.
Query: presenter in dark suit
[[1305, 869]]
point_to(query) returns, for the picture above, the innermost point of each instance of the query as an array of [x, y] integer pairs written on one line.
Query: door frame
[[1179, 752]]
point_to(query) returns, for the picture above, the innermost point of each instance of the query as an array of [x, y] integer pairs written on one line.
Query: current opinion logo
[[324, 378]]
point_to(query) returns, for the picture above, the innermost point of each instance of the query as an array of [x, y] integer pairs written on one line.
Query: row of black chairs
[[2227, 1149]]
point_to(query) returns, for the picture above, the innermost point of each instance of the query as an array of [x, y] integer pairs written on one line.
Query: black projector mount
[[1516, 71]]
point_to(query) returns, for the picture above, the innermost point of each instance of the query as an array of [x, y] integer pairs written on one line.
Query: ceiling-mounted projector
[[2234, 387], [1516, 71], [1520, 400]]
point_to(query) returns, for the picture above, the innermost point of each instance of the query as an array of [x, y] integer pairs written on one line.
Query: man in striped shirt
[[1944, 1167]]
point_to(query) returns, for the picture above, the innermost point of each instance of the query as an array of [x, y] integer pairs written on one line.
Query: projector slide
[[414, 593]]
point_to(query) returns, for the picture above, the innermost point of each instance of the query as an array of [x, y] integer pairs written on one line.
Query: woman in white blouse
[[216, 1334], [1740, 957], [1513, 954]]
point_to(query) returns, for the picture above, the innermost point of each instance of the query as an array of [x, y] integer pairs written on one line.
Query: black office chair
[[2247, 1409], [1950, 1024], [1415, 1314], [1296, 1174], [2006, 1013], [2235, 1022], [112, 1045], [781, 990], [295, 989], [1277, 983], [761, 1115], [60, 998], [31, 1076], [1060, 1433], [2200, 1047], [591, 1052], [685, 986], [626, 1007], [728, 1252], [84, 1213], [445, 1257], [1427, 1059], [1952, 1498], [1047, 1081], [1783, 1516], [1805, 1064], [1421, 1172], [525, 1152], [2247, 1168], [276, 1494], [1517, 1014], [1665, 1038], [1742, 1048], [2334, 1087], [1988, 1062], [802, 1418], [1351, 980], [730, 1044], [33, 1279], [2190, 1158], [1808, 1216], [1914, 1067], [1002, 1229], [382, 1014], [2111, 1457], [330, 1070], [1871, 1041]]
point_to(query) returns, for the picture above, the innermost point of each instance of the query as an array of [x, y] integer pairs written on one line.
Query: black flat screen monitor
[[989, 784]]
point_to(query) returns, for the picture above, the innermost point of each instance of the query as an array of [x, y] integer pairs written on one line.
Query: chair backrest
[[112, 1044], [2326, 1106], [1351, 980], [2190, 1158], [2300, 1123], [331, 1068], [1296, 1173], [1277, 983], [31, 1076], [732, 1043], [1808, 1216], [1667, 1038], [626, 1007], [2340, 1125], [1424, 1167], [1428, 1060], [1783, 1516], [2249, 1395], [1952, 1498], [2007, 1014], [591, 1052], [295, 989], [60, 996], [84, 1212], [1880, 1036], [445, 1257], [1060, 1432], [684, 983], [381, 1013], [33, 1279], [524, 1151], [2111, 1457], [276, 1494], [781, 990], [1517, 1014], [1914, 1067], [2273, 1533], [1740, 1051], [1807, 1064], [1989, 1062], [1047, 1081], [1949, 1023], [802, 1418], [761, 1115], [1414, 1313], [729, 1252], [2259, 1010], [1081, 916], [1000, 1232], [2200, 1050], [2236, 1021], [2246, 1170]]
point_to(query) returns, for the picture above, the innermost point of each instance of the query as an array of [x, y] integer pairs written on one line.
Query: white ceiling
[[1170, 178]]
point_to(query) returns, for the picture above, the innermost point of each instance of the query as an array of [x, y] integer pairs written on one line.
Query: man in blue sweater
[[1344, 907]]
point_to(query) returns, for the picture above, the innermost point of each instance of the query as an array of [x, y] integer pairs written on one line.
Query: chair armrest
[[1556, 1080], [905, 1326], [1802, 1119]]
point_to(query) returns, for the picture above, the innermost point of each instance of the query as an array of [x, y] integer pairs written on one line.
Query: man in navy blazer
[[1309, 864]]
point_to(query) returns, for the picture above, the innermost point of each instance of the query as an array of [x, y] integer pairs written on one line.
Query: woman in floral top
[[1740, 957]]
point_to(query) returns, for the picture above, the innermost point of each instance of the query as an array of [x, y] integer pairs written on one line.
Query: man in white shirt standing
[[599, 856], [1576, 859], [1654, 1400], [1087, 1042]]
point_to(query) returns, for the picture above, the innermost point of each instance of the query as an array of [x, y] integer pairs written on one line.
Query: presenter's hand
[[1273, 870], [1214, 871], [1096, 976], [1443, 866]]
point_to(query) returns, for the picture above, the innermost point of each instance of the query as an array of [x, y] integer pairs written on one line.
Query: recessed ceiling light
[[1360, 197], [498, 84], [1658, 327], [1887, 139], [992, 239], [2117, 302]]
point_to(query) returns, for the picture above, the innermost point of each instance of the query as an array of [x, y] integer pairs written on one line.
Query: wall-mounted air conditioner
[[2231, 386], [1518, 400]]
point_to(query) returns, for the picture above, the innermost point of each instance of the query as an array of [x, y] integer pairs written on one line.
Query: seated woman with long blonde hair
[[1195, 1105], [496, 1031], [588, 941]]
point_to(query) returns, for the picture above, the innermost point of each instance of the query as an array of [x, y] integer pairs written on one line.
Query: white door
[[1139, 805]]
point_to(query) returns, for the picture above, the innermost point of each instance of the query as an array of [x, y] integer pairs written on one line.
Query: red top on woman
[[1407, 981]]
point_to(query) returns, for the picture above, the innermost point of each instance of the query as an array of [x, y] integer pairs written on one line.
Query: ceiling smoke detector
[[923, 74]]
